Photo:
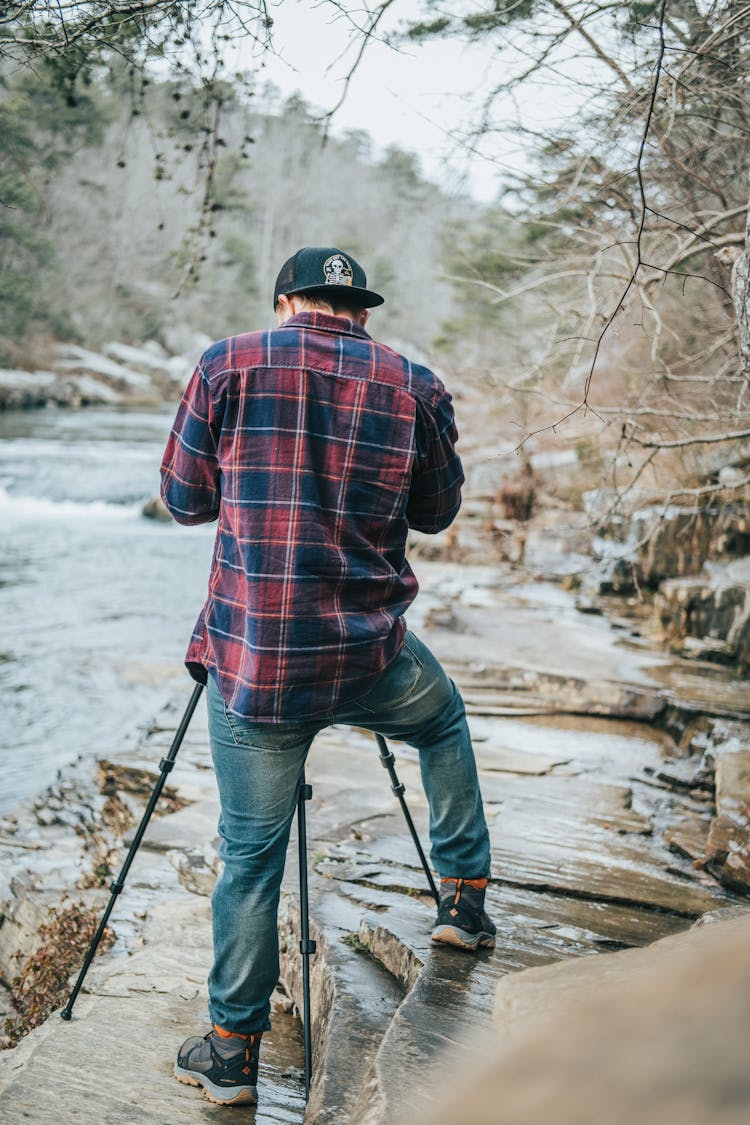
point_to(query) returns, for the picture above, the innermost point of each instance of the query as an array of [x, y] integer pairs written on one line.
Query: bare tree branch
[[367, 34], [642, 193], [701, 439]]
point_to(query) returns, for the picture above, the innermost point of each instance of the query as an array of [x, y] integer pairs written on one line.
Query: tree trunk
[[741, 295]]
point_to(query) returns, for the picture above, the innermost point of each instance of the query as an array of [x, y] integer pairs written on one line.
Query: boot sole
[[461, 939], [236, 1095]]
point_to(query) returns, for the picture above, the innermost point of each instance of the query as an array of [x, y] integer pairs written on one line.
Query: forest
[[113, 234], [603, 297]]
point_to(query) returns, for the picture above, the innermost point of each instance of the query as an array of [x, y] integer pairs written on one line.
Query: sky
[[419, 98]]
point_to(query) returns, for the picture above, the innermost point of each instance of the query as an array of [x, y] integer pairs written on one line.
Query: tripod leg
[[116, 887], [306, 945], [387, 760]]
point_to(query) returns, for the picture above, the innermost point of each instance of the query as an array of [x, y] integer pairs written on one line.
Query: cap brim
[[365, 297]]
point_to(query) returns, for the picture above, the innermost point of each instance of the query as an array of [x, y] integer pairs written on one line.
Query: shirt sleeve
[[190, 475], [438, 475]]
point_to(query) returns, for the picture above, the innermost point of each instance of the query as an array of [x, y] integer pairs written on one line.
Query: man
[[316, 448]]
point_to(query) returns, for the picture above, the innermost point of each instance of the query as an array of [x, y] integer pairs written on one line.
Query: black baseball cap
[[325, 270]]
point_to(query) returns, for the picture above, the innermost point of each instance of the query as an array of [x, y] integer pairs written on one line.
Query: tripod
[[306, 945]]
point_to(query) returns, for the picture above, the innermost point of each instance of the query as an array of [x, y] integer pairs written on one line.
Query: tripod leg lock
[[399, 789], [166, 765], [116, 886], [306, 792], [307, 946], [387, 760]]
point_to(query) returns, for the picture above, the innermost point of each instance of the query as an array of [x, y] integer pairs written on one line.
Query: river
[[97, 603]]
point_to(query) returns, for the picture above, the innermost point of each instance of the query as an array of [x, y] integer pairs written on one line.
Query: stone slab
[[580, 836], [647, 1036], [728, 846], [184, 830], [113, 1061], [499, 759], [689, 837]]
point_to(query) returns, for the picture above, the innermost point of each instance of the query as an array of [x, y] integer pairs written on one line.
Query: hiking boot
[[224, 1063], [461, 919]]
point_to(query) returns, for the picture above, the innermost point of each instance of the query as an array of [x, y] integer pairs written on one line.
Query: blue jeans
[[258, 770]]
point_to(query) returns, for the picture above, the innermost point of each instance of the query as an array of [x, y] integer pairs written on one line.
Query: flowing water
[[96, 602]]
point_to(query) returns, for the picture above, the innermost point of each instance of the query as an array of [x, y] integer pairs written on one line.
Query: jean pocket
[[396, 684], [266, 736]]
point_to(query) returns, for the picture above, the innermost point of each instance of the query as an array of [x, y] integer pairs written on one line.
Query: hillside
[[135, 213]]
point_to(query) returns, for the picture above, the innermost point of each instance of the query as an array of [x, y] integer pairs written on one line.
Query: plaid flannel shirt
[[316, 448]]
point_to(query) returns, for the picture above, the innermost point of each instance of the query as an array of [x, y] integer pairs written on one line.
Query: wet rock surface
[[603, 780], [113, 1061]]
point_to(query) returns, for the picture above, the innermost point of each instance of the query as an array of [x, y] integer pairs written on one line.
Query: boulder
[[713, 609], [672, 542], [658, 543], [156, 509], [655, 1036], [85, 390], [149, 357], [728, 845], [73, 358], [25, 390], [165, 370], [22, 389]]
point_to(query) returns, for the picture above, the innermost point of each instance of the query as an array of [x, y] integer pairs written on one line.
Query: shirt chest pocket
[[376, 490]]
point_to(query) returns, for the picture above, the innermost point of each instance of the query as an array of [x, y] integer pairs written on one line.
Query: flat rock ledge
[[580, 807]]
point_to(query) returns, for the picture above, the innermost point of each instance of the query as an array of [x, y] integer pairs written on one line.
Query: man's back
[[317, 448]]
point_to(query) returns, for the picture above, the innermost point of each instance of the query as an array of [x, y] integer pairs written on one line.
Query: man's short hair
[[339, 305]]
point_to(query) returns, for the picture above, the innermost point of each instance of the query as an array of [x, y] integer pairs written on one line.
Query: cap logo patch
[[338, 270]]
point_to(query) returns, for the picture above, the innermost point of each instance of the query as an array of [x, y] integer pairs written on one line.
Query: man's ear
[[364, 316], [284, 308]]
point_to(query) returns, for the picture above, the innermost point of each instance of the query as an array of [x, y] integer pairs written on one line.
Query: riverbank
[[594, 756], [119, 375]]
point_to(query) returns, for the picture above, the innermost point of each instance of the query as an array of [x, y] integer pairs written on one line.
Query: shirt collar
[[325, 322]]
